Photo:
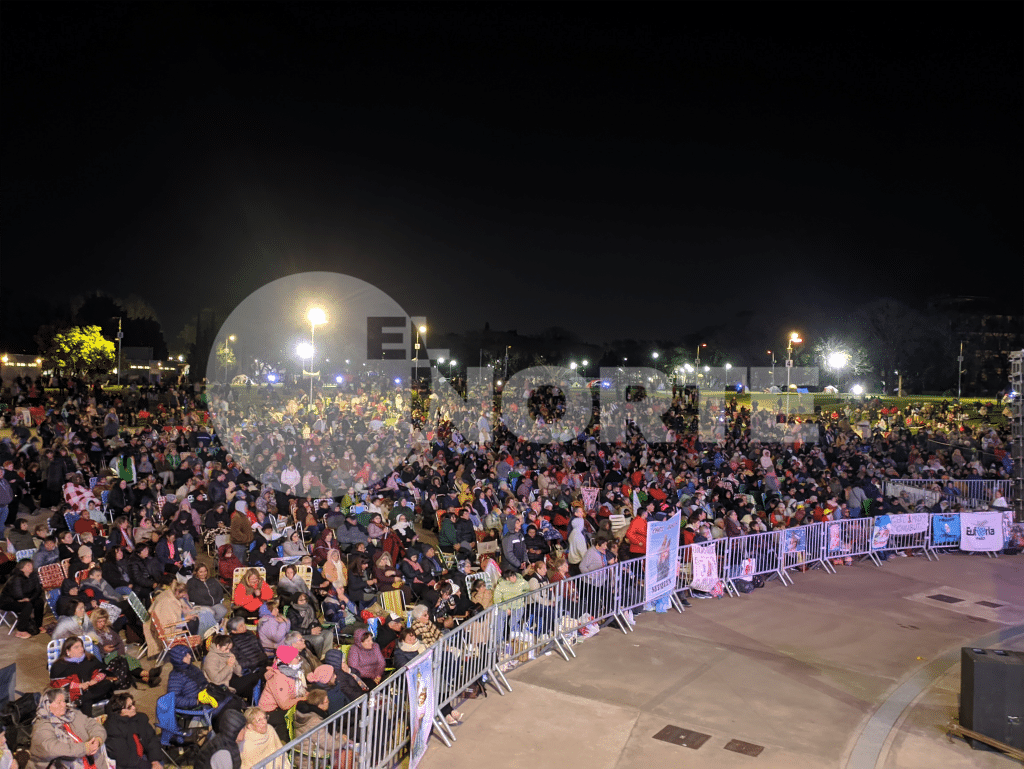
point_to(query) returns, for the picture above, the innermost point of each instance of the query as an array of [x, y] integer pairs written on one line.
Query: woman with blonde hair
[[259, 741]]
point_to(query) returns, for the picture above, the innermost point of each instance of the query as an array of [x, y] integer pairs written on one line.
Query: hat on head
[[287, 654], [392, 617], [321, 675]]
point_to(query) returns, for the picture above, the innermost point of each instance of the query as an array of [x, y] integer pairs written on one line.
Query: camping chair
[[8, 618], [487, 547], [175, 635], [306, 572], [80, 576], [51, 577], [72, 518], [448, 560], [104, 496], [25, 554], [172, 736], [140, 612], [53, 652], [393, 600], [617, 521], [239, 574]]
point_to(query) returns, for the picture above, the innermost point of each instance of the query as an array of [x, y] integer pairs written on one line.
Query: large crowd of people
[[286, 550]]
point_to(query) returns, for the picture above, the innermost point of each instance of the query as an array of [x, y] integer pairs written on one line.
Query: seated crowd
[[268, 548]]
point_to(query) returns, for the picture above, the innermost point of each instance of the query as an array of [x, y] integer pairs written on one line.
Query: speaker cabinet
[[992, 694]]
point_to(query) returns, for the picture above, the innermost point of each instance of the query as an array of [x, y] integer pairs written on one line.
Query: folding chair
[[306, 572], [172, 735], [175, 635], [71, 518], [25, 553], [393, 600], [8, 618]]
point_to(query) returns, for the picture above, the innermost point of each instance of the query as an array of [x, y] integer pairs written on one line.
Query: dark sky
[[619, 170]]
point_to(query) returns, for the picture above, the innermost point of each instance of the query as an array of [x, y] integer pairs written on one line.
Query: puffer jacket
[[184, 681]]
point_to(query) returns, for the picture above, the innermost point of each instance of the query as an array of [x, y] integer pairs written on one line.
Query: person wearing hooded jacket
[[221, 751], [577, 545]]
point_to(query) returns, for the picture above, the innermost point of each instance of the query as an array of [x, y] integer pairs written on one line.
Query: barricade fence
[[374, 732], [972, 492]]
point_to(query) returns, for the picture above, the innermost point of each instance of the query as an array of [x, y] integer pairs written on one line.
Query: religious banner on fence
[[981, 532], [946, 530], [705, 567], [662, 557], [880, 536], [796, 540], [589, 497], [1013, 533], [915, 523], [419, 678]]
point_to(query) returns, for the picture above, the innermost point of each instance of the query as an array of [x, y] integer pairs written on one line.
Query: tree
[[80, 350], [225, 358]]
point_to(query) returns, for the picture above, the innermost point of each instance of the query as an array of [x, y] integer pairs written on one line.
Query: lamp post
[[305, 352], [794, 338], [702, 344], [773, 367], [416, 358], [120, 336], [227, 351], [316, 317], [960, 372], [508, 349]]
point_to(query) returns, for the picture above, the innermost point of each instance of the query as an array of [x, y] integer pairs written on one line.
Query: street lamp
[[573, 365], [227, 351], [316, 317], [702, 344], [794, 338], [416, 357], [305, 352], [451, 363], [773, 367]]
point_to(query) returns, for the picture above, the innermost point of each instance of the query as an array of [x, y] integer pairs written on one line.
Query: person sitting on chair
[[61, 732], [132, 743], [82, 672]]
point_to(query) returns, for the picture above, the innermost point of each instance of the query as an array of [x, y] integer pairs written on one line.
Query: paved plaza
[[853, 671]]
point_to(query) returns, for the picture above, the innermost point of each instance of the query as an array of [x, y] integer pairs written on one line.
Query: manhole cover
[[989, 604], [746, 748], [946, 598], [677, 735]]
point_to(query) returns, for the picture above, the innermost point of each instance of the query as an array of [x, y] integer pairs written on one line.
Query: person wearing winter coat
[[23, 595], [131, 743], [284, 688], [220, 666], [221, 750], [60, 731], [204, 590], [577, 545], [272, 627], [636, 534]]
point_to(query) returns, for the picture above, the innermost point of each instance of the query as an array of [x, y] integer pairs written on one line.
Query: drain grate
[[946, 598], [745, 748], [677, 735], [989, 604]]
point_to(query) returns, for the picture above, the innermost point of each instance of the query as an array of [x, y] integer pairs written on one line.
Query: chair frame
[[176, 634]]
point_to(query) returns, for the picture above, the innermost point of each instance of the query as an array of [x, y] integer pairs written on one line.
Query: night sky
[[618, 170]]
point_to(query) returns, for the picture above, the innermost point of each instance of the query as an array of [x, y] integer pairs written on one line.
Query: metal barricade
[[756, 555], [847, 539], [466, 655], [796, 549], [596, 595], [385, 731], [918, 541], [332, 743]]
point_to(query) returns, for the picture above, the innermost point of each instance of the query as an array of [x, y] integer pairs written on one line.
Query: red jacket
[[636, 535]]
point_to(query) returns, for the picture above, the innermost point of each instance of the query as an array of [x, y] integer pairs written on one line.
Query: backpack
[[6, 492], [117, 670], [744, 585]]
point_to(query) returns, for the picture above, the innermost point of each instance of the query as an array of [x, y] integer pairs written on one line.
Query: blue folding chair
[[172, 736]]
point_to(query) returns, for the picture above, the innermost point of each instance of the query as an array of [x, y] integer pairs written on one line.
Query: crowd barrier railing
[[374, 732], [756, 555]]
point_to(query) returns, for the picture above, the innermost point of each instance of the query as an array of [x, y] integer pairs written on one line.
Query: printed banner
[[419, 678], [946, 530], [915, 523], [1013, 533], [705, 567], [589, 497], [795, 540], [880, 535], [662, 560], [981, 532], [835, 538]]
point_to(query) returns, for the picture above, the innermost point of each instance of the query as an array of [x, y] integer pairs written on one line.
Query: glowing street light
[[573, 365], [857, 389], [316, 317], [422, 329], [794, 338], [838, 359]]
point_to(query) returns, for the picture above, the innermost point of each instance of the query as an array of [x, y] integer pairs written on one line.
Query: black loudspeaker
[[992, 695]]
